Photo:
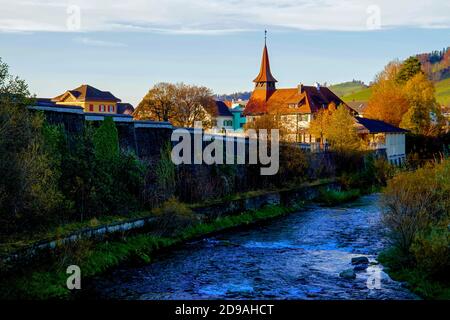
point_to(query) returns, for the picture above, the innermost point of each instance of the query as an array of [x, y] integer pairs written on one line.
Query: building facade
[[296, 107], [91, 100]]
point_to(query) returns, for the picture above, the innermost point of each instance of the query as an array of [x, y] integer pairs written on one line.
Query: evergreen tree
[[409, 68]]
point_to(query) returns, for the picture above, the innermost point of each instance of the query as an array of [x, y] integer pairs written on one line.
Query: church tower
[[265, 81]]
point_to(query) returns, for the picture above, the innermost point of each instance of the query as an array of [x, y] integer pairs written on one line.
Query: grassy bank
[[416, 279], [334, 197], [14, 242], [48, 280]]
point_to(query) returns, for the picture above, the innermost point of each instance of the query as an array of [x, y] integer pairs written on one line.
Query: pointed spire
[[264, 73]]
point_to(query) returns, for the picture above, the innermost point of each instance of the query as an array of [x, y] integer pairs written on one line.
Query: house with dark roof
[[89, 99], [221, 117], [384, 137], [358, 106]]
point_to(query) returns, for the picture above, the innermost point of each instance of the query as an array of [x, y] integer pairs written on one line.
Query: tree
[[158, 104], [424, 116], [193, 103], [387, 103], [320, 123], [409, 68], [403, 96], [341, 132], [389, 72], [106, 143], [181, 104], [337, 127], [269, 122], [28, 186]]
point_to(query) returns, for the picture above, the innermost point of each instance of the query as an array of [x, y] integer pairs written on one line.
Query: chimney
[[300, 88], [318, 86]]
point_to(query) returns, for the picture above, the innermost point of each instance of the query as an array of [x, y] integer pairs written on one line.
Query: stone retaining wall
[[210, 212]]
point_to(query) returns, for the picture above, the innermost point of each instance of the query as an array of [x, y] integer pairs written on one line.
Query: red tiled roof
[[307, 99]]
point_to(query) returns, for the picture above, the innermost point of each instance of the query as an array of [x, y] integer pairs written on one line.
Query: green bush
[[413, 201], [416, 208], [333, 197], [294, 164], [173, 216], [431, 251]]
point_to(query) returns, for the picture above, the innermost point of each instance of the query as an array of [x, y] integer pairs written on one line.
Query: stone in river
[[348, 274], [360, 267], [360, 260]]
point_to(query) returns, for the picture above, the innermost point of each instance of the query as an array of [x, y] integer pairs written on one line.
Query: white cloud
[[221, 16], [98, 43]]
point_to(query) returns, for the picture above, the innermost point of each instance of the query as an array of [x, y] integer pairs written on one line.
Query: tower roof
[[264, 73]]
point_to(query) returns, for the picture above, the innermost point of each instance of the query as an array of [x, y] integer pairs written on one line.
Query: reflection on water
[[295, 257]]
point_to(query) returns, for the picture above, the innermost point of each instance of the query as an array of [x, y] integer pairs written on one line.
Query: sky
[[128, 46]]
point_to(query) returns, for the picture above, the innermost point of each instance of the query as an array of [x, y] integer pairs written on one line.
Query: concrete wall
[[143, 137]]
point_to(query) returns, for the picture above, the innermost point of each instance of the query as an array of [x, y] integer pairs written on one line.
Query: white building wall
[[220, 124], [395, 147]]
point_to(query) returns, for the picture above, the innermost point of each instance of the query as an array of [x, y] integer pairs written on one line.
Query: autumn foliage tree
[[193, 103], [338, 128], [158, 104], [321, 122], [181, 104], [268, 122], [388, 101], [403, 96], [423, 115]]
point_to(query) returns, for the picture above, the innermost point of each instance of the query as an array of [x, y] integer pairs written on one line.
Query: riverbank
[[50, 281], [416, 210], [47, 278], [413, 278]]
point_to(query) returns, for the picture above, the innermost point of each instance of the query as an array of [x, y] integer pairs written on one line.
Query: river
[[299, 256]]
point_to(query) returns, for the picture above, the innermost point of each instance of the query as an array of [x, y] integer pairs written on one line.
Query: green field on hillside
[[443, 92], [363, 95], [346, 88]]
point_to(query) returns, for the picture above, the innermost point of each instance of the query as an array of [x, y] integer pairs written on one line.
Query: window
[[111, 108], [91, 108], [102, 108]]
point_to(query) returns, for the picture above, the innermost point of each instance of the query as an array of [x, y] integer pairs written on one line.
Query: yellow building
[[90, 99]]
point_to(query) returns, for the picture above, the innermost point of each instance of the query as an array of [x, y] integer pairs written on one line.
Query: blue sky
[[127, 49]]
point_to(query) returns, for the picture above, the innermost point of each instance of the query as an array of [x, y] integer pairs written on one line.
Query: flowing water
[[298, 256]]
